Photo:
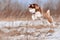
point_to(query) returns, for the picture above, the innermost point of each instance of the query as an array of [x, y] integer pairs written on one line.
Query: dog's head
[[33, 8]]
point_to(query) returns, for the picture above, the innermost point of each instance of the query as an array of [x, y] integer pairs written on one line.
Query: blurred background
[[18, 9]]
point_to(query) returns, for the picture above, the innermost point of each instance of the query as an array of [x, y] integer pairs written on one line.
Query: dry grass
[[15, 11]]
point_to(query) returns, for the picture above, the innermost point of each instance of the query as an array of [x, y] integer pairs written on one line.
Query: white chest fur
[[37, 15]]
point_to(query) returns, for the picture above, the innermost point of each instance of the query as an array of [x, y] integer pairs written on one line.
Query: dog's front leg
[[34, 17]]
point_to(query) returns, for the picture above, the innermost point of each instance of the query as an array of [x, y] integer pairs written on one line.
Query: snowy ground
[[23, 23], [29, 30]]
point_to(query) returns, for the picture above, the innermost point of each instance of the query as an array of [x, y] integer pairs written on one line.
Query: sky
[[42, 3]]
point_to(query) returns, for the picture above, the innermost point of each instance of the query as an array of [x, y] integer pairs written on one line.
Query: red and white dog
[[37, 13]]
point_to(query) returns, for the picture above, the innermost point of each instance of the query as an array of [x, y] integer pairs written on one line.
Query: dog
[[37, 13]]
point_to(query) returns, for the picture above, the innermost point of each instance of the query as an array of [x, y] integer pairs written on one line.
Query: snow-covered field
[[29, 30], [23, 23], [25, 28]]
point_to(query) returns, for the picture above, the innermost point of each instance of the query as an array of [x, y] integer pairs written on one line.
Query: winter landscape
[[16, 22]]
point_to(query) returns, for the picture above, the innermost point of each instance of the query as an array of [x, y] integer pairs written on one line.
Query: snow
[[22, 30]]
